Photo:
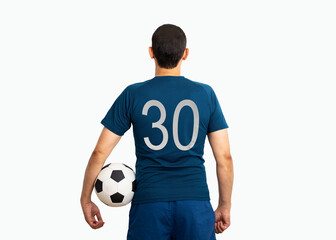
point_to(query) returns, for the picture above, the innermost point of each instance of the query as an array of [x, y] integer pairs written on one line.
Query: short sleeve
[[118, 119], [217, 120]]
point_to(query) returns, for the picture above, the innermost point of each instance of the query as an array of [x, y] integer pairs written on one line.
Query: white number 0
[[164, 131]]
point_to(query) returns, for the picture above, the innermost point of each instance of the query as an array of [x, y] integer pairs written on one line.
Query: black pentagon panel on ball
[[134, 185], [117, 198], [106, 166], [127, 166], [117, 175], [99, 186]]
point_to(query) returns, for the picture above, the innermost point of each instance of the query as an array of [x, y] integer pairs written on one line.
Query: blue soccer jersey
[[171, 116]]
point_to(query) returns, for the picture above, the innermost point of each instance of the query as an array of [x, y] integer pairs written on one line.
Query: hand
[[91, 210], [222, 221]]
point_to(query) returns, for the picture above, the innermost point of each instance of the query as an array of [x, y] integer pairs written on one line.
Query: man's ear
[[185, 54], [150, 50]]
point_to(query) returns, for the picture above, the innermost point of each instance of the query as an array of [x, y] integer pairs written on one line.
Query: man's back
[[171, 116]]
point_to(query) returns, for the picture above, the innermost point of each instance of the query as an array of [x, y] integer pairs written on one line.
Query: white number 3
[[164, 131]]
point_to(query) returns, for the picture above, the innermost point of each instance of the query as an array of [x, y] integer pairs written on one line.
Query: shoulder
[[206, 87], [131, 88]]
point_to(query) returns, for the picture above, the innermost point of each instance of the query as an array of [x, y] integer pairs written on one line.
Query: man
[[171, 117]]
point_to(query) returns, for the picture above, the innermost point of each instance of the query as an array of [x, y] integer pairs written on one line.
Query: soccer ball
[[115, 184]]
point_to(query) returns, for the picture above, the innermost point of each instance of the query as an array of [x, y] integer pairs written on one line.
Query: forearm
[[93, 168], [225, 182]]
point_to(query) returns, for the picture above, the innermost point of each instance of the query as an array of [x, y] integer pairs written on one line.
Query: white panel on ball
[[115, 184]]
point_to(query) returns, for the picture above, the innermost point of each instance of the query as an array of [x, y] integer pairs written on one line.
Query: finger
[[101, 224], [94, 223], [98, 225], [226, 225], [226, 222], [220, 226], [217, 228], [93, 220], [90, 220], [99, 217]]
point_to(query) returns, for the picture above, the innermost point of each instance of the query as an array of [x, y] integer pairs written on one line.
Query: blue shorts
[[172, 220]]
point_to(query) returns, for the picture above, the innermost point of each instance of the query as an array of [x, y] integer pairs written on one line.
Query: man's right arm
[[219, 142]]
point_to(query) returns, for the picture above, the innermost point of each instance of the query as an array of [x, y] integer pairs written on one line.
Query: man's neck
[[165, 71]]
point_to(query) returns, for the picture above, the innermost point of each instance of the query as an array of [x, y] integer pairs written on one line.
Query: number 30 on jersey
[[164, 131]]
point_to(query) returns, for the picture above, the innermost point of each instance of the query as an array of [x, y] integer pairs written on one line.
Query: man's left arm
[[106, 142]]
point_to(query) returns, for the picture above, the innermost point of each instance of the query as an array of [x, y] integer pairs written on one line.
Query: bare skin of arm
[[106, 142], [219, 142]]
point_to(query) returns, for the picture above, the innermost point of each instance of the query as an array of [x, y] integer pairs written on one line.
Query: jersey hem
[[170, 199]]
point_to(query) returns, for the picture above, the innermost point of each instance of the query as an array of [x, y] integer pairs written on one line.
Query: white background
[[271, 64]]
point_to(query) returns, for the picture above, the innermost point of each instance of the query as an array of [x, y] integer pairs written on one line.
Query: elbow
[[225, 161], [227, 156], [97, 153], [98, 157]]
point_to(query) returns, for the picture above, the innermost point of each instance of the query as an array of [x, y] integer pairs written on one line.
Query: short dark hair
[[168, 43]]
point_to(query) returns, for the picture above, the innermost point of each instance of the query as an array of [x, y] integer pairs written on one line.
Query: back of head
[[168, 43]]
